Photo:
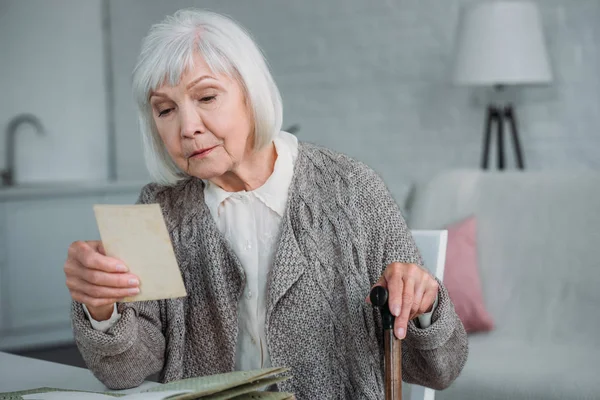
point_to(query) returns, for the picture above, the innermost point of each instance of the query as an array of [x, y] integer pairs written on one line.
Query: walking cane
[[392, 345]]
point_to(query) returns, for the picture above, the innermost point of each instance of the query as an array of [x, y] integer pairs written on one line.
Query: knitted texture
[[340, 230]]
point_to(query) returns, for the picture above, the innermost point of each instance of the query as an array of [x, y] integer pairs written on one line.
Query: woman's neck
[[251, 174]]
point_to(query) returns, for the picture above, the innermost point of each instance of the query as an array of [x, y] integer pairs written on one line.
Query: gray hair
[[167, 51]]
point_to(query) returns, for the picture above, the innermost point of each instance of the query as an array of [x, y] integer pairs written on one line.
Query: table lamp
[[501, 44]]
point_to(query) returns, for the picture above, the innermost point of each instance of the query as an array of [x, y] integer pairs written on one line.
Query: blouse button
[[249, 295]]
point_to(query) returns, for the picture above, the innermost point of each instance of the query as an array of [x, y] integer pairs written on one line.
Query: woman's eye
[[164, 112], [208, 99]]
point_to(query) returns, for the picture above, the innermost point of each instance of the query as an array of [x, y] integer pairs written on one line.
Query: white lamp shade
[[501, 43]]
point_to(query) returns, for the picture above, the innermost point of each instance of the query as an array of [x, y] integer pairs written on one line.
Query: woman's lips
[[202, 153]]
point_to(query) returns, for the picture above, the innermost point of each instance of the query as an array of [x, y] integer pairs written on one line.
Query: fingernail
[[134, 282], [121, 268], [400, 333], [134, 291], [395, 310]]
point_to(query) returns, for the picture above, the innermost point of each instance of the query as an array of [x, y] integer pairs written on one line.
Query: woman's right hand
[[96, 280]]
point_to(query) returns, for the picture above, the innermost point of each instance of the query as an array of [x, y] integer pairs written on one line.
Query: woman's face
[[203, 121]]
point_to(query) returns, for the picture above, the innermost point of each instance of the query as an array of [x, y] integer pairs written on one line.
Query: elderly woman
[[278, 241]]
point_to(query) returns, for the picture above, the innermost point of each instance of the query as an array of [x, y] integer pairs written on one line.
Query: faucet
[[293, 129], [8, 174]]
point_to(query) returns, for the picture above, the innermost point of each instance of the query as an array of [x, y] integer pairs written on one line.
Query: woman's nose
[[191, 123]]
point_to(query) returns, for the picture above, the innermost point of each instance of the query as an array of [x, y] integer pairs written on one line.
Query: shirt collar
[[274, 192], [214, 196]]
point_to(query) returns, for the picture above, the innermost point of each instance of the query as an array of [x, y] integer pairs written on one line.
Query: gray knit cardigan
[[340, 230]]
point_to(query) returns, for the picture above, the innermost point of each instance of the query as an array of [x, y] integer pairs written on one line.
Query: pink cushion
[[461, 276]]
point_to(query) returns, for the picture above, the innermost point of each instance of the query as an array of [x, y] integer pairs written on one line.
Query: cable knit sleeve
[[133, 348], [432, 357]]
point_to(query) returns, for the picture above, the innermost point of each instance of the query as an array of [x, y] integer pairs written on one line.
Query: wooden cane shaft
[[393, 366]]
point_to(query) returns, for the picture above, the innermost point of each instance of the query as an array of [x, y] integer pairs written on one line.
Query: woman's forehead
[[197, 70]]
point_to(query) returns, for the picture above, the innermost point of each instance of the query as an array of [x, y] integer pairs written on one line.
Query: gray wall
[[370, 78], [51, 65]]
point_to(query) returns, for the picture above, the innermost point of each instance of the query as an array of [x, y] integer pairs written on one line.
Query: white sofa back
[[538, 247]]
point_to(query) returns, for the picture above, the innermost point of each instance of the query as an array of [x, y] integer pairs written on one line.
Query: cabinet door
[[3, 238], [39, 233]]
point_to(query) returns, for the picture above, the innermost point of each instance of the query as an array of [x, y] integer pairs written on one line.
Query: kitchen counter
[[21, 373], [65, 189]]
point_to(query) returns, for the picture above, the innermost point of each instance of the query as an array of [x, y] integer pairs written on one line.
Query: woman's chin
[[205, 173]]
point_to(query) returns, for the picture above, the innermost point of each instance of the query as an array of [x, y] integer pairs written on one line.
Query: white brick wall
[[370, 78]]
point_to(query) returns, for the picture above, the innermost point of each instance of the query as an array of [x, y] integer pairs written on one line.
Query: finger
[[429, 298], [101, 278], [395, 285], [96, 245], [407, 303], [418, 299], [91, 301], [89, 256], [380, 282], [100, 248], [100, 292], [427, 303]]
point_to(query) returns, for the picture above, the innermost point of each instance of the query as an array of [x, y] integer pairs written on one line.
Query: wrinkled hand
[[412, 292], [96, 280]]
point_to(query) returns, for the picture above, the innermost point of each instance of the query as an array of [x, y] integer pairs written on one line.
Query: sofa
[[538, 248]]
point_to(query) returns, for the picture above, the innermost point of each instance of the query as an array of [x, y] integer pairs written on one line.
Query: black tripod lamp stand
[[501, 116], [500, 43]]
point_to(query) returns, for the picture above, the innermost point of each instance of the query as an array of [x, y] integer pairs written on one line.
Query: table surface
[[23, 373]]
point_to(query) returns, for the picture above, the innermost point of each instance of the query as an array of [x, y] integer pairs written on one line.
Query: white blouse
[[251, 223]]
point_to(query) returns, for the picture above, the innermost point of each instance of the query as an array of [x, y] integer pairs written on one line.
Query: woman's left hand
[[412, 291]]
